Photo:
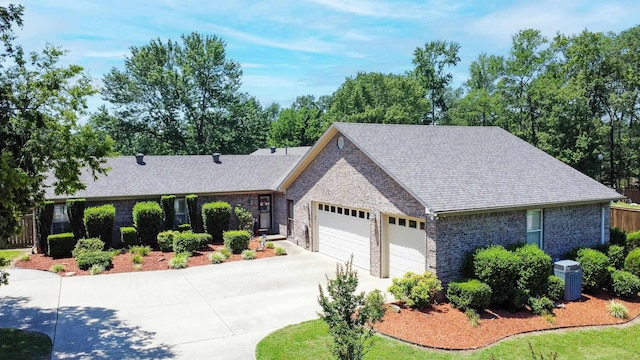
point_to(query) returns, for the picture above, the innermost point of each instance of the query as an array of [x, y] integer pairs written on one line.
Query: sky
[[290, 48]]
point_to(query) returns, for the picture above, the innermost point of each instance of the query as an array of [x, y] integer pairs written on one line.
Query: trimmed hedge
[[616, 254], [237, 240], [617, 236], [61, 245], [44, 218], [469, 293], [129, 236], [633, 241], [594, 269], [91, 244], [632, 262], [499, 268], [98, 221], [165, 240], [204, 240], [416, 290], [168, 210], [185, 242], [147, 218], [535, 268], [192, 210], [87, 259], [216, 216], [184, 227], [75, 212], [555, 288], [624, 284], [245, 218]]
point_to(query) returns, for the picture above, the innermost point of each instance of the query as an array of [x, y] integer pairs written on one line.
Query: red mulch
[[156, 260], [445, 327]]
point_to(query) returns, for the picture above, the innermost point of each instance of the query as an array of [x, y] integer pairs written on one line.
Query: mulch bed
[[444, 327], [156, 260]]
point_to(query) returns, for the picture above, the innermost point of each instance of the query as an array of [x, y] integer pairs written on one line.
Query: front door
[[265, 211]]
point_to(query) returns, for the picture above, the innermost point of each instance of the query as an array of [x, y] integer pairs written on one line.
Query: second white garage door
[[343, 231], [407, 245]]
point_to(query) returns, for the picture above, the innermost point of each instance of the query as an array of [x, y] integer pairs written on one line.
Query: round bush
[[617, 237], [535, 268], [216, 216], [236, 240], [555, 288], [624, 284], [416, 290], [86, 259], [129, 236], [147, 218], [541, 306], [594, 269], [632, 262], [498, 268], [165, 240], [465, 294], [633, 240], [99, 221], [185, 242], [93, 244], [616, 256], [184, 227]]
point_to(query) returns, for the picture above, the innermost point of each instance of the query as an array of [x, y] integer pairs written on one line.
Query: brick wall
[[566, 228]]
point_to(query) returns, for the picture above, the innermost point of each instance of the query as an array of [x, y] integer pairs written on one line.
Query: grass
[[140, 250], [20, 344], [625, 205], [7, 255], [179, 261], [248, 254], [310, 340], [56, 268], [617, 309]]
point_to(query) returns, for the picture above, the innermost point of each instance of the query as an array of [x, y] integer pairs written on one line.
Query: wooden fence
[[625, 218], [27, 238], [632, 194]]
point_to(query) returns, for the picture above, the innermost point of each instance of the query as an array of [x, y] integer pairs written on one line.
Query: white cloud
[[107, 54]]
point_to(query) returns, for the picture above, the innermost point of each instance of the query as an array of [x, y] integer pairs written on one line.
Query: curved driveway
[[206, 312]]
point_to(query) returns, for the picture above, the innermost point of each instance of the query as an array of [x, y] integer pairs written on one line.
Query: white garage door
[[407, 245], [343, 231]]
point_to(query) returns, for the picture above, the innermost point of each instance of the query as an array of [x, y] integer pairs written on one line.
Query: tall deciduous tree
[[300, 124], [182, 98], [40, 102]]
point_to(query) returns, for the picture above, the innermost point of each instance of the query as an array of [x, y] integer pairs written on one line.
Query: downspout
[[602, 213]]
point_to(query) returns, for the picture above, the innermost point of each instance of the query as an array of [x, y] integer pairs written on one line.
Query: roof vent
[[216, 158], [273, 149], [140, 159]]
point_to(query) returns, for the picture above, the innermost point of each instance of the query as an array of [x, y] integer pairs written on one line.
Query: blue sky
[[289, 48]]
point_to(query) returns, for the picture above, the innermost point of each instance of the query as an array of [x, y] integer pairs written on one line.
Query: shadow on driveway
[[83, 332]]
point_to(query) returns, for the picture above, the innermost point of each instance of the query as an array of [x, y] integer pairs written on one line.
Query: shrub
[[25, 257], [416, 290], [96, 269], [86, 259], [248, 254], [168, 210], [184, 227], [87, 245], [535, 268], [624, 284], [541, 306], [75, 212], [203, 239], [129, 236], [56, 268], [555, 288], [617, 236], [179, 261], [98, 221], [237, 240], [281, 251], [147, 218], [270, 245], [43, 218], [594, 269], [633, 241], [498, 268], [186, 242], [616, 254], [617, 309], [140, 250], [632, 262], [192, 210], [465, 294], [226, 252], [245, 219], [216, 216], [473, 316], [217, 258], [61, 245], [137, 259], [165, 240]]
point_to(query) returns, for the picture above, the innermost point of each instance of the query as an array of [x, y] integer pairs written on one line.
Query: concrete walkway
[[207, 312]]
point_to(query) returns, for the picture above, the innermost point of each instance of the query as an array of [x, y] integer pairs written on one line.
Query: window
[[339, 210], [319, 206], [361, 214], [326, 208], [180, 207], [392, 220], [60, 222], [333, 209], [354, 212], [402, 222], [413, 224], [534, 227], [290, 217], [421, 225]]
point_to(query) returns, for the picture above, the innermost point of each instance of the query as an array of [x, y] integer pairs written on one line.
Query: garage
[[407, 249], [343, 231]]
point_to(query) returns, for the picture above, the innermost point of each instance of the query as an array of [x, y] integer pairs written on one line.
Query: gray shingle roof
[[453, 169], [294, 150], [188, 174]]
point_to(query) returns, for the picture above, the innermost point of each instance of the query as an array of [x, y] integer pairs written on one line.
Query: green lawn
[[309, 340], [625, 205], [19, 344], [8, 255]]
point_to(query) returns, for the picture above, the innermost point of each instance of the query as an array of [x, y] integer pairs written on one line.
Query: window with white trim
[[180, 207], [60, 222], [534, 227]]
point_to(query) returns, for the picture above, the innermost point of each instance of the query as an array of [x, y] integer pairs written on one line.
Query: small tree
[[75, 211], [44, 217], [99, 221], [350, 316], [216, 216], [192, 209], [147, 218], [168, 210], [245, 219]]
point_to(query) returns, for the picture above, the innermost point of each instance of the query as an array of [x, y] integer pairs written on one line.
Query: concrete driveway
[[206, 312]]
